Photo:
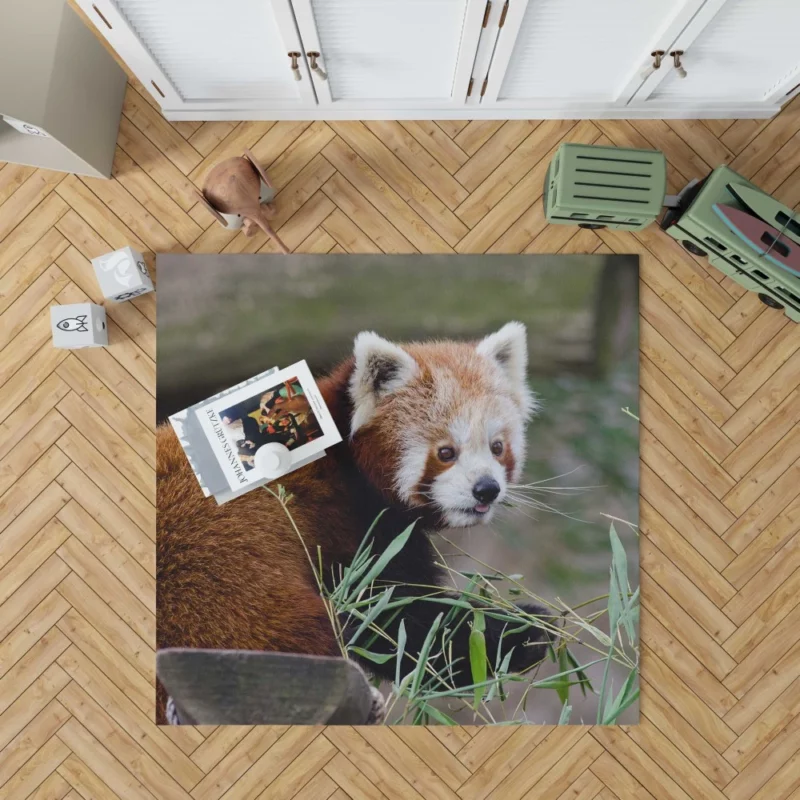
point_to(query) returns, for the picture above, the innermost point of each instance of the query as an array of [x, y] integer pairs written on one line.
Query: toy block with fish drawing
[[122, 274], [78, 325]]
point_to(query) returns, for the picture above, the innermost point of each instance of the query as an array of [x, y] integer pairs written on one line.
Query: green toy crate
[[698, 228], [605, 187]]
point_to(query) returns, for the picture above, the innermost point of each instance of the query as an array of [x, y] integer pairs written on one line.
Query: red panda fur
[[236, 576]]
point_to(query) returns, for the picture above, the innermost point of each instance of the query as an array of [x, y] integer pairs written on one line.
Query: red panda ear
[[508, 348], [381, 368]]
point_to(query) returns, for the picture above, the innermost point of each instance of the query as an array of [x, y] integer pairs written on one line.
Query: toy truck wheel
[[693, 248], [769, 301], [592, 226]]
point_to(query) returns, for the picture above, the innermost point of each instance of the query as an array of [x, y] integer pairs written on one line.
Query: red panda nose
[[486, 490]]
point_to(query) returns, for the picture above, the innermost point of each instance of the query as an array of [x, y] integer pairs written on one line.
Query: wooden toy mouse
[[238, 194]]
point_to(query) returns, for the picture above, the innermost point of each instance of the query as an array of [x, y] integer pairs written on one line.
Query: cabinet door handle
[[651, 68], [312, 57], [676, 60], [295, 66], [102, 17]]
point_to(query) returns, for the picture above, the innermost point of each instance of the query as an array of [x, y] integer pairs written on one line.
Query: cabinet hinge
[[485, 83], [486, 13], [469, 88], [503, 15]]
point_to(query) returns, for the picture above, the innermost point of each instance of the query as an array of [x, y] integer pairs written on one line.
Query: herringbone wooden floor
[[720, 405]]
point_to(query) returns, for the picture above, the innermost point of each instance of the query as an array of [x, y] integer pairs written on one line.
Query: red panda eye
[[497, 448], [446, 454]]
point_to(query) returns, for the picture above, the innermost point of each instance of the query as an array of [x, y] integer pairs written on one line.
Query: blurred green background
[[222, 319]]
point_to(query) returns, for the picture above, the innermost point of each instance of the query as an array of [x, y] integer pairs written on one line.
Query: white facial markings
[[460, 432], [411, 470], [494, 429], [464, 519]]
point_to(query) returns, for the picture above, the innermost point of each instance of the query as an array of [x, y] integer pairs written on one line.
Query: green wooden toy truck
[[613, 187], [605, 187]]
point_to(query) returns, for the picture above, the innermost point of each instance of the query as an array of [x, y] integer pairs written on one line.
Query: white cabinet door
[[734, 51], [572, 53], [208, 54], [390, 54]]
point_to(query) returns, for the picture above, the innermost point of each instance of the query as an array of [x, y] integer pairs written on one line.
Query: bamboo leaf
[[628, 694], [401, 649], [554, 683], [618, 593], [500, 673], [422, 661], [562, 690], [465, 690], [584, 678], [619, 560], [367, 541], [373, 613], [478, 620], [504, 667], [372, 599], [378, 631], [614, 605], [400, 687], [395, 546], [566, 711], [437, 715], [617, 601], [519, 629], [546, 682], [351, 574], [630, 616], [477, 662], [376, 657], [447, 601]]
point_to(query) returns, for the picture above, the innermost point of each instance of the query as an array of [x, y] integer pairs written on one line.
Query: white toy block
[[78, 325], [122, 274]]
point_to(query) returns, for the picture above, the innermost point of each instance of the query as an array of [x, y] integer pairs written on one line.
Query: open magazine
[[223, 434]]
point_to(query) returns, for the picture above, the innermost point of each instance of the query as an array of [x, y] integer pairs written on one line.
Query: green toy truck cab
[[701, 231]]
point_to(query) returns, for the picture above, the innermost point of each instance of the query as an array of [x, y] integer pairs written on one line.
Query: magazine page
[[196, 445]]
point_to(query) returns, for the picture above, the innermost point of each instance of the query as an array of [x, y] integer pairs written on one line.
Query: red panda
[[433, 434]]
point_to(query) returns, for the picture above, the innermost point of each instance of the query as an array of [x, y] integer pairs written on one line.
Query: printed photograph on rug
[[282, 414], [466, 554]]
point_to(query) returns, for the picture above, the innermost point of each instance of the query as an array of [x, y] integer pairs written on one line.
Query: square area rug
[[456, 541]]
